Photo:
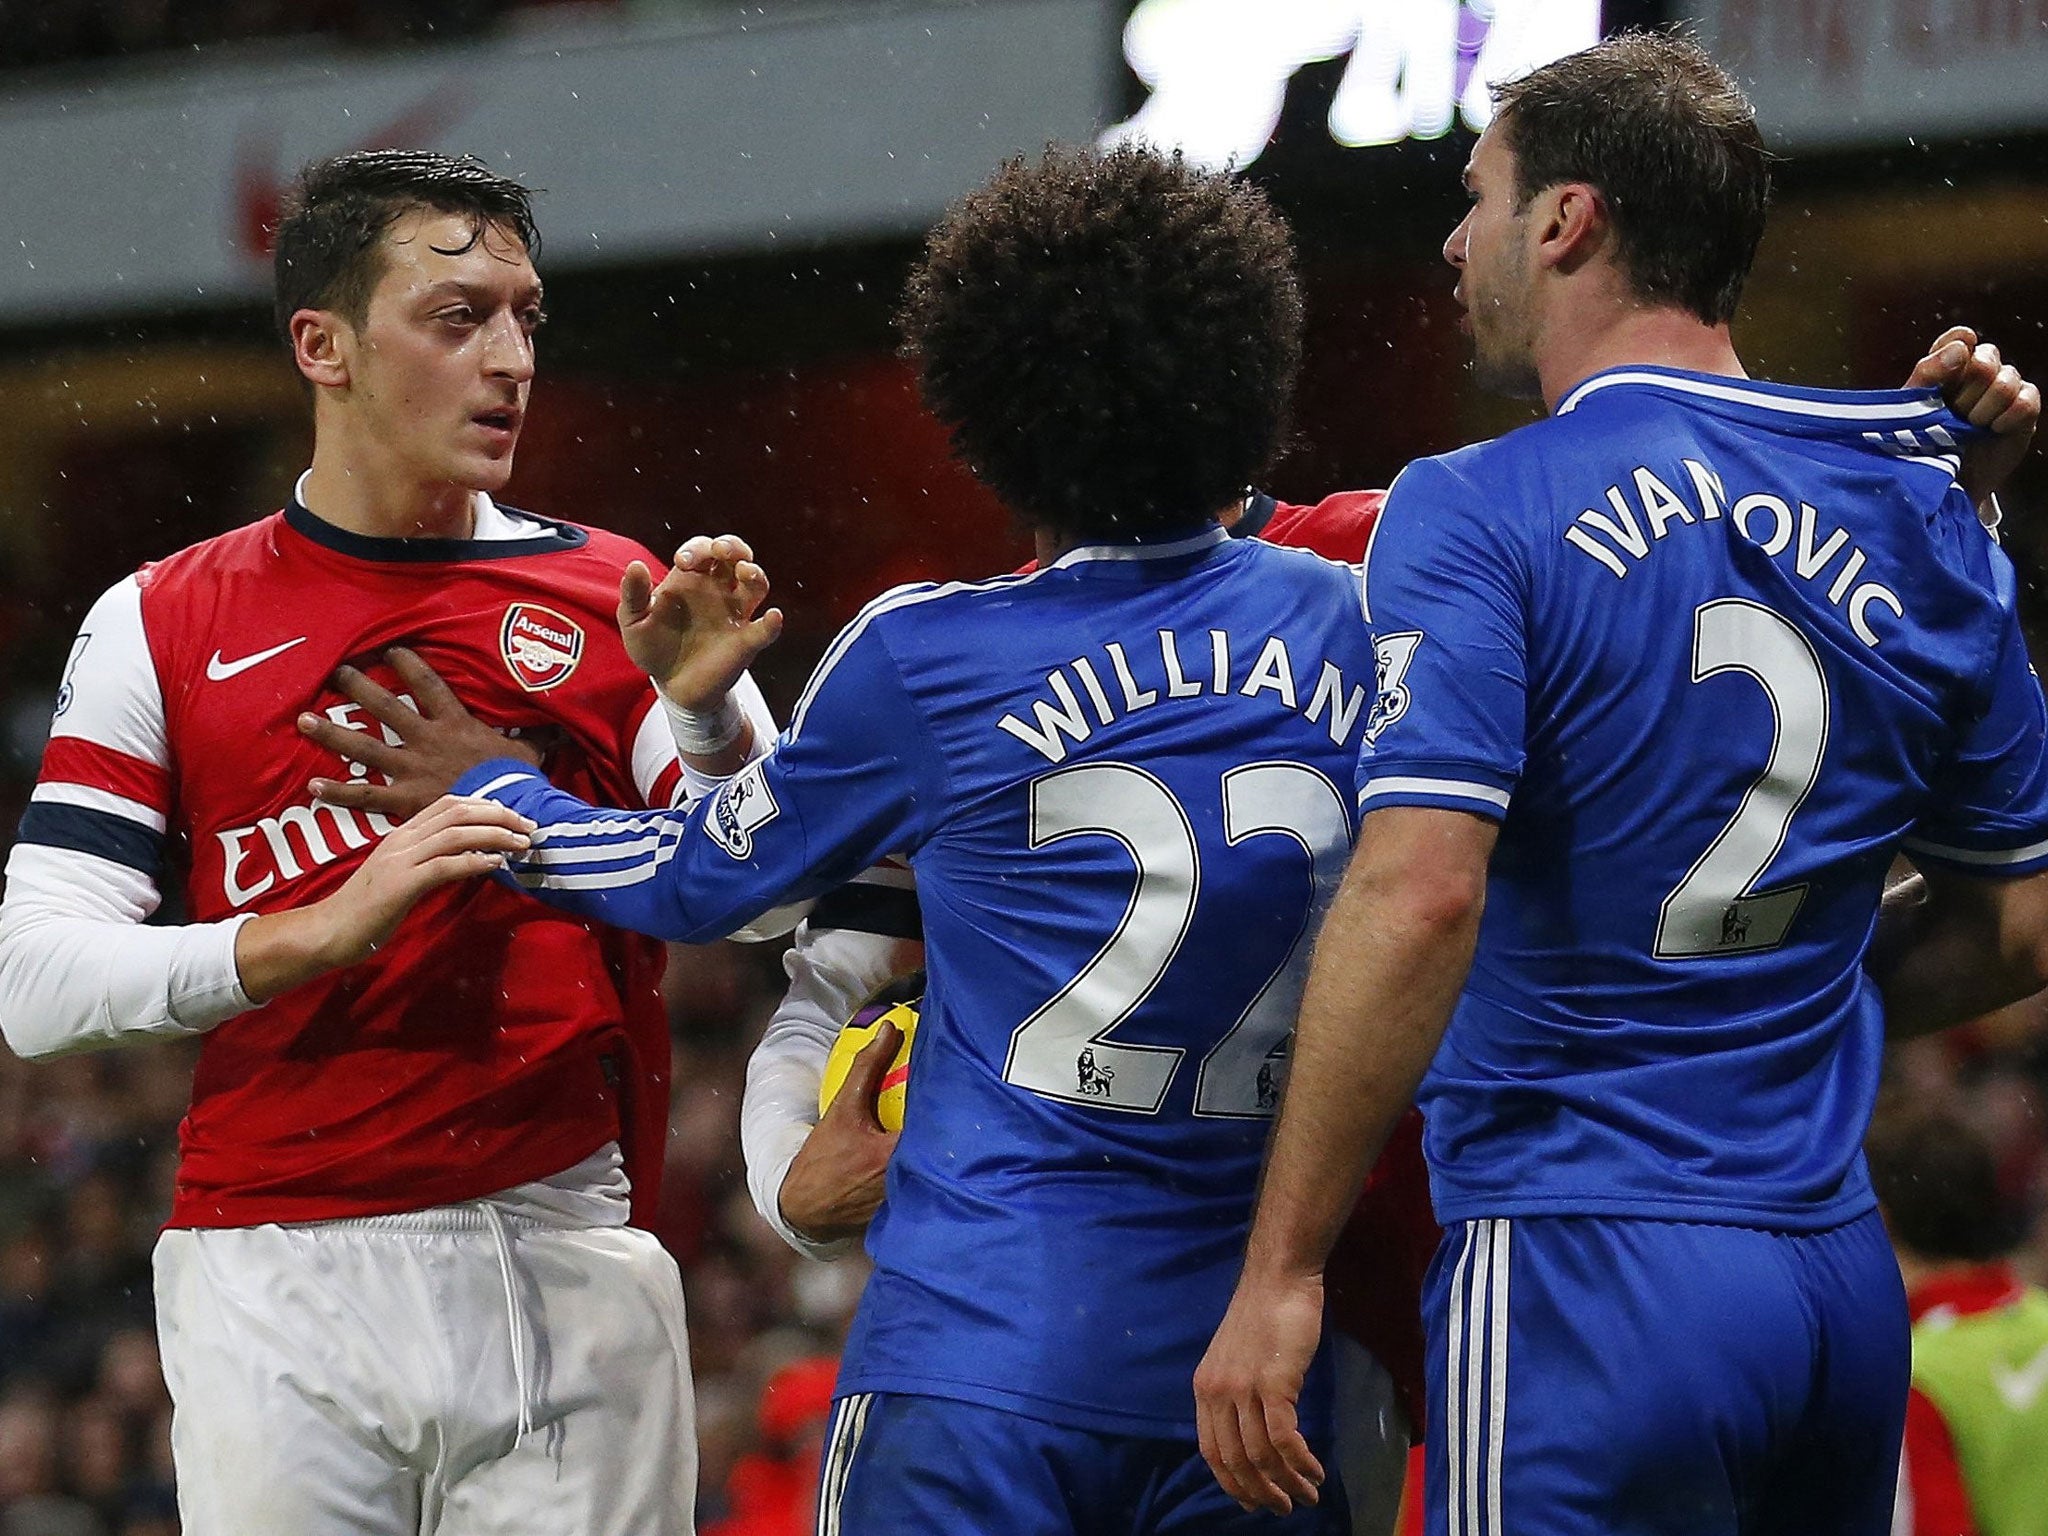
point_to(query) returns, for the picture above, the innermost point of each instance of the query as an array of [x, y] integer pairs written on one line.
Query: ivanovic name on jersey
[[1640, 510]]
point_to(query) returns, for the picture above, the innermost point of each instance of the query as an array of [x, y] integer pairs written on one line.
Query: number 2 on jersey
[[1064, 1050], [1716, 909]]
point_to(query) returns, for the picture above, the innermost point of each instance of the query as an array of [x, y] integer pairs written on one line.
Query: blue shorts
[[1629, 1377], [898, 1465]]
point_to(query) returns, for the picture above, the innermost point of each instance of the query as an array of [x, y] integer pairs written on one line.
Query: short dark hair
[[1653, 122], [1111, 335], [1938, 1185], [326, 254]]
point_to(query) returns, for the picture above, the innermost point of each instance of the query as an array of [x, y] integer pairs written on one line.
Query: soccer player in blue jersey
[[1124, 784], [1667, 680]]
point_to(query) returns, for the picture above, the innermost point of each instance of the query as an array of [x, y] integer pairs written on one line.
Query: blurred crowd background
[[744, 378]]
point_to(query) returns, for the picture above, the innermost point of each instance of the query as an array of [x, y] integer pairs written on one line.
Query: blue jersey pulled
[[1125, 783], [1712, 652]]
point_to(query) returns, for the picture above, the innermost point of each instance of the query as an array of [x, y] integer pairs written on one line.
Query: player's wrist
[[1273, 1263], [703, 727], [276, 951]]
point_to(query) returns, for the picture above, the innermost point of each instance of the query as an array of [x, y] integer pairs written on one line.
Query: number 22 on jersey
[[1066, 1050]]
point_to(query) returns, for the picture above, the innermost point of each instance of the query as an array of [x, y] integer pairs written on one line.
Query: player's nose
[[510, 352], [1454, 247]]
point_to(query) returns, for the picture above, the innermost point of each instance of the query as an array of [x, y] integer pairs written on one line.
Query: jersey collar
[[1258, 511], [1176, 545], [515, 535], [1889, 407]]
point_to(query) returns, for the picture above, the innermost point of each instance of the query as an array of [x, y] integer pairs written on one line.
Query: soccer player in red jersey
[[398, 1290]]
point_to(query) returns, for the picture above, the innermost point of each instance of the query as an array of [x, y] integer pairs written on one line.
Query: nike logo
[[2021, 1388], [220, 671]]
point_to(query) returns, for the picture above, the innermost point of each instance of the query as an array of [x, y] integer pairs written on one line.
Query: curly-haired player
[[1124, 783], [1111, 338]]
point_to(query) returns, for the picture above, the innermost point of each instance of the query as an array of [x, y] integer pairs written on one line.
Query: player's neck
[[1632, 334], [378, 500]]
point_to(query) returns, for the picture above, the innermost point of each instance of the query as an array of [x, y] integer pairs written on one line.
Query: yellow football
[[854, 1039]]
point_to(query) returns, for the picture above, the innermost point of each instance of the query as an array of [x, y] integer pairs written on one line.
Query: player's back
[[1759, 622], [1144, 793]]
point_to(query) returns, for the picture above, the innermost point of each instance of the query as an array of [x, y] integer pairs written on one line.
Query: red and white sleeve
[[78, 970], [663, 778]]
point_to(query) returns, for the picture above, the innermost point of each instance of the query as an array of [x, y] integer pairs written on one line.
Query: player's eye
[[459, 314], [533, 319]]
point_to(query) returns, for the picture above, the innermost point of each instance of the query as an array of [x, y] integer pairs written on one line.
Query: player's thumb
[[1942, 366], [636, 592], [864, 1078]]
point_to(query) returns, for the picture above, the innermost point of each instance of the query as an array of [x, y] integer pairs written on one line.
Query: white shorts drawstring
[[501, 1238]]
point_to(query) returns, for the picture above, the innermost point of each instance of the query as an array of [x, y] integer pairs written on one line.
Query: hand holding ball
[[859, 1033]]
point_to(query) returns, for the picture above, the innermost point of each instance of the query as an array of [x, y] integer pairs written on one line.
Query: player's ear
[[321, 346], [1570, 222]]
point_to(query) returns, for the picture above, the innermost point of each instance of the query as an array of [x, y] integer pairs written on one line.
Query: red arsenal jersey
[[1337, 527], [492, 1041], [1377, 1269]]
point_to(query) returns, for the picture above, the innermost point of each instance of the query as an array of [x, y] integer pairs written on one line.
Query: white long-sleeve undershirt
[[80, 971], [831, 973]]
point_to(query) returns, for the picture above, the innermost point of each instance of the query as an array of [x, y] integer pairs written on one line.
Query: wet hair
[[1660, 128], [327, 252], [1111, 335], [1938, 1185]]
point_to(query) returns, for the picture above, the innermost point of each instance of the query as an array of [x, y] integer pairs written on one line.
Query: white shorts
[[452, 1372]]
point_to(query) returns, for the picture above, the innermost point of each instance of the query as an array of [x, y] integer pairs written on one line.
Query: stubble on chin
[[1509, 373]]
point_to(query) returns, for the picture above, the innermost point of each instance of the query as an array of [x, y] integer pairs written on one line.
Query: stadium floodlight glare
[[1218, 70]]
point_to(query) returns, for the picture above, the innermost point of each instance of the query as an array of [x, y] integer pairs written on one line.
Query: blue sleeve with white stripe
[[1444, 597], [1988, 813], [851, 781]]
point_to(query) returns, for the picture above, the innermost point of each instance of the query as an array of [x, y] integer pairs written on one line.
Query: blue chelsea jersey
[[1712, 652], [1126, 785]]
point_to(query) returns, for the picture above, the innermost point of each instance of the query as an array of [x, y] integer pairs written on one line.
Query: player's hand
[[452, 840], [834, 1184], [697, 631], [1986, 391], [1246, 1388], [440, 739]]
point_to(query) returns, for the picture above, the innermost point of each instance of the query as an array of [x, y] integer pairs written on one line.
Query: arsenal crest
[[539, 645]]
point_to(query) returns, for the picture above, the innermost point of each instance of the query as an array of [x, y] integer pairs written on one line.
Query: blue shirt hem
[[1766, 1216]]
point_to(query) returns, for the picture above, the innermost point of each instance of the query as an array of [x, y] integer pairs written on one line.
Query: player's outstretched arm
[[850, 783], [695, 633], [664, 873], [1392, 956], [1951, 947], [1988, 392], [455, 839]]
